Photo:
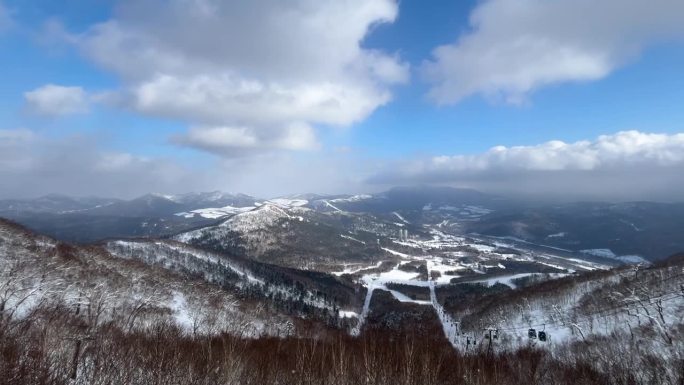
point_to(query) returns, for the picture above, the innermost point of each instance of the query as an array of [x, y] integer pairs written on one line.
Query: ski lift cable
[[579, 321], [637, 302], [594, 316], [620, 309], [585, 321]]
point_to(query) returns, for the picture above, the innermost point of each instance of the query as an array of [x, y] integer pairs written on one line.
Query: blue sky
[[645, 95], [496, 81]]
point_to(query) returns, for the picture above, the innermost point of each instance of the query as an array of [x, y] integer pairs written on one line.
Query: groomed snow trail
[[449, 325], [356, 330]]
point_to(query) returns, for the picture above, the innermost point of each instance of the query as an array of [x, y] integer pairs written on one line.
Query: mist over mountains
[[630, 229]]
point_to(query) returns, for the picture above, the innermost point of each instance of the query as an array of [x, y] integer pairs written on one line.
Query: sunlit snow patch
[[214, 213], [284, 202]]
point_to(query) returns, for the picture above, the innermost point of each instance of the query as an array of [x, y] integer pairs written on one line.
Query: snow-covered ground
[[354, 198], [443, 257], [379, 281], [467, 212], [332, 206], [605, 253], [557, 235], [508, 279], [287, 203], [180, 311], [608, 253], [199, 262], [347, 314], [445, 267], [214, 213], [400, 217], [355, 268], [245, 222], [398, 254], [352, 239], [656, 301]]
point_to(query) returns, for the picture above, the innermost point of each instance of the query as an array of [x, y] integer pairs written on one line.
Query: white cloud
[[33, 165], [224, 98], [13, 146], [515, 47], [238, 141], [628, 164], [619, 150], [269, 175], [56, 100], [258, 67], [8, 137]]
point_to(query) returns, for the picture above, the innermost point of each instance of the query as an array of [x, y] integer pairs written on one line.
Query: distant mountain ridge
[[621, 230], [54, 204], [148, 204]]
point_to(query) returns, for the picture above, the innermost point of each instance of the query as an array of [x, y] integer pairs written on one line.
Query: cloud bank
[[33, 164], [626, 165], [248, 76], [54, 100], [515, 47]]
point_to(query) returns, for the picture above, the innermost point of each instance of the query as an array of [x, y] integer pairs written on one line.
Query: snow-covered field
[[220, 212], [355, 268], [287, 203], [215, 213], [446, 257], [608, 253], [354, 198]]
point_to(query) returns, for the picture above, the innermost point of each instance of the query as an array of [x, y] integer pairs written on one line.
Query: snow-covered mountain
[[638, 309], [38, 273], [299, 293], [286, 233], [160, 205], [627, 232], [93, 219], [199, 200], [53, 204], [260, 272]]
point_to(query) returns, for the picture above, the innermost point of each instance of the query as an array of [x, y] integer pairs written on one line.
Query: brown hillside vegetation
[[76, 315], [52, 349]]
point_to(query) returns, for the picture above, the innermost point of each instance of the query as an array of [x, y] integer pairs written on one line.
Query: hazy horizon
[[526, 198]]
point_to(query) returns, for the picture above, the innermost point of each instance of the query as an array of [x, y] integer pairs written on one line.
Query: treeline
[[57, 347], [291, 242], [307, 294], [420, 293]]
